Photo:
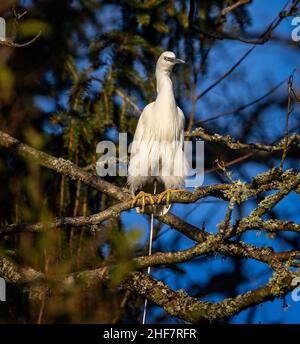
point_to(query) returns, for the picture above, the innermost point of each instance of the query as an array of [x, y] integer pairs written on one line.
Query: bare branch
[[20, 45], [237, 4], [62, 166]]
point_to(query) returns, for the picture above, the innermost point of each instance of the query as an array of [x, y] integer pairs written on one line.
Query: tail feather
[[149, 267], [150, 247]]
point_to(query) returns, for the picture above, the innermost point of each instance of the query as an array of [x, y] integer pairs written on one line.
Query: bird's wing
[[181, 124], [141, 127], [138, 155]]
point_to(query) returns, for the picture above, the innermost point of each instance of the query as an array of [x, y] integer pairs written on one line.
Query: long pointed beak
[[179, 61]]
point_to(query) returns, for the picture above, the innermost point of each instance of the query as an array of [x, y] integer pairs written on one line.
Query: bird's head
[[167, 61]]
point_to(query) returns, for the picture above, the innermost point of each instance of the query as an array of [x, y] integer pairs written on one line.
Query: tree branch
[[62, 166]]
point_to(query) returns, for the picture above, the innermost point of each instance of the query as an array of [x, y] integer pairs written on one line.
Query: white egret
[[157, 162]]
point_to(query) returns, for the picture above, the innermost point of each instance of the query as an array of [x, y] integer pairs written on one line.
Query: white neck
[[166, 120], [164, 85]]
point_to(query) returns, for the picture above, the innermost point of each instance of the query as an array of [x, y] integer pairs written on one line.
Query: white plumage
[[157, 160]]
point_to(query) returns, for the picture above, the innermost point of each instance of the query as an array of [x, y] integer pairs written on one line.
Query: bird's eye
[[169, 59]]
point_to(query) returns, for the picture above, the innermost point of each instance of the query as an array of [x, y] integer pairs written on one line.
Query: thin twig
[[20, 45], [287, 116], [243, 107], [225, 75], [234, 6], [264, 37]]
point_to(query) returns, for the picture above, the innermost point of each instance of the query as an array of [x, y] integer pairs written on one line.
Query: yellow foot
[[142, 195], [167, 194]]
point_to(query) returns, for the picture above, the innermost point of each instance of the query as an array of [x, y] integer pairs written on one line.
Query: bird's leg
[[142, 195], [167, 193]]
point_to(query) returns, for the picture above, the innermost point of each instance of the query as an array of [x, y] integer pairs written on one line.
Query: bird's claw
[[142, 195], [167, 194]]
